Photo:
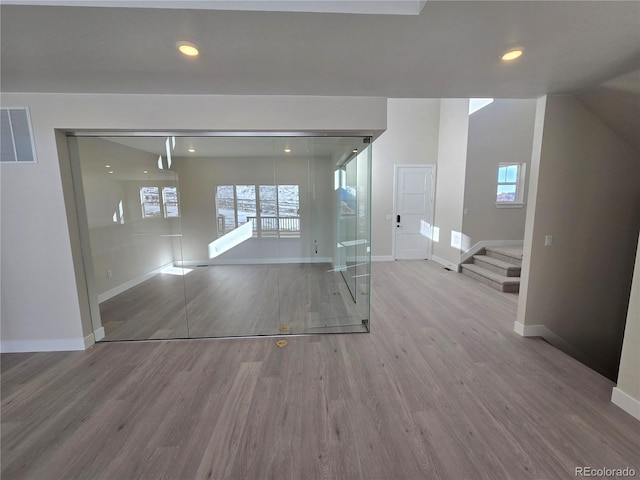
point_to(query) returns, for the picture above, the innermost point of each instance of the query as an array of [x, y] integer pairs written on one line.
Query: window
[[150, 202], [510, 189], [274, 209], [170, 202]]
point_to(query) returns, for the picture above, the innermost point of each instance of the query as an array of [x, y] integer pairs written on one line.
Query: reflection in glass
[[239, 239]]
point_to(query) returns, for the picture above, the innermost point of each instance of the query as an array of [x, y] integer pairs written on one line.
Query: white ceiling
[[377, 7], [451, 49]]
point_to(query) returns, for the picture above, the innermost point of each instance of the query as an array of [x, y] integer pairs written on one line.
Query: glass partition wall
[[188, 237]]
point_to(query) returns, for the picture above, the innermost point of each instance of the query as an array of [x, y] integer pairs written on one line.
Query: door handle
[[397, 218]]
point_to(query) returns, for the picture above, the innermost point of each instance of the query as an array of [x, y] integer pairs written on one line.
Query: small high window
[[510, 189]]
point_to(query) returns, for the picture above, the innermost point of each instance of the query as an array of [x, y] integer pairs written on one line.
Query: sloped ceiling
[[451, 49], [617, 103]]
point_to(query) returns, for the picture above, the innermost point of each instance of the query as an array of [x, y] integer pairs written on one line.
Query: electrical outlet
[[109, 274], [548, 240]]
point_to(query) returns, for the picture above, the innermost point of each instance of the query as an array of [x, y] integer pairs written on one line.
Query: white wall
[[587, 198], [629, 373], [499, 132], [450, 180], [411, 137], [40, 300]]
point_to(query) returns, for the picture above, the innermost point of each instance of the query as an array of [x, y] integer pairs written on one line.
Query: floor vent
[[16, 142]]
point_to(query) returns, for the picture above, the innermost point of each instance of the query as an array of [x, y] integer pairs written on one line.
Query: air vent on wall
[[16, 142]]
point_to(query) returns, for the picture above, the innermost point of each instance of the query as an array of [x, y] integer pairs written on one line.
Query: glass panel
[[170, 202], [150, 202], [132, 241], [512, 173], [245, 204], [260, 236], [225, 208], [289, 210], [502, 174], [268, 210], [349, 220], [506, 193], [363, 249]]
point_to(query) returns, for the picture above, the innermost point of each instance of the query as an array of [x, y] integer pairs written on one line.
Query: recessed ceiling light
[[110, 171], [188, 49], [355, 150], [145, 172], [107, 166], [191, 150], [287, 150], [512, 54]]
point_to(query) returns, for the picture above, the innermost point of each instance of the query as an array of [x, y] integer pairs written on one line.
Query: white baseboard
[[123, 287], [382, 258], [57, 345], [446, 263], [626, 402], [489, 243], [99, 334], [531, 330], [89, 340], [254, 261]]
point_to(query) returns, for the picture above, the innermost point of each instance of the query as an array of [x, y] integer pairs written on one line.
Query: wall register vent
[[16, 142]]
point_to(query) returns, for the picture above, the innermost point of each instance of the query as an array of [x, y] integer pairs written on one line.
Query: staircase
[[498, 267]]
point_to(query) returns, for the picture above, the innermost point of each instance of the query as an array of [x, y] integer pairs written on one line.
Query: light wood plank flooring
[[234, 300], [441, 388]]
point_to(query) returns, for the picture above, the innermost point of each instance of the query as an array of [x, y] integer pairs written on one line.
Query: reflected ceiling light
[[188, 49], [107, 166], [191, 150], [287, 149], [145, 172], [512, 54], [110, 171]]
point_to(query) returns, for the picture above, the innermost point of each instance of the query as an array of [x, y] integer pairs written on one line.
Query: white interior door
[[413, 211]]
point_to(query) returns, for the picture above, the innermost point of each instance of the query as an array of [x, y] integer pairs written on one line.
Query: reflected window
[[510, 187], [150, 202], [118, 214], [170, 202], [274, 209]]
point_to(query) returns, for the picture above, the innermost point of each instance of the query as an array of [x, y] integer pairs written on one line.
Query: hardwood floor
[[234, 300], [441, 388]]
